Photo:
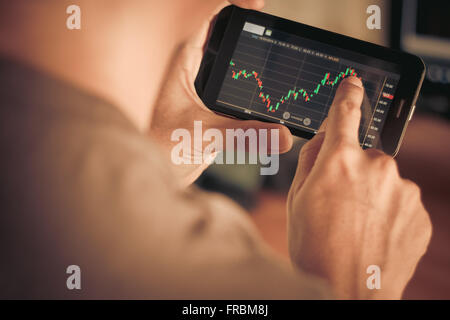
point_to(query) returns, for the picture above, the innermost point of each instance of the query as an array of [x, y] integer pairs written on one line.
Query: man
[[87, 180]]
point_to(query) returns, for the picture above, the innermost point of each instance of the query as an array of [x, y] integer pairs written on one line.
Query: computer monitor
[[423, 28]]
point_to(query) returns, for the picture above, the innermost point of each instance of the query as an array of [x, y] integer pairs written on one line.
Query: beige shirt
[[81, 186]]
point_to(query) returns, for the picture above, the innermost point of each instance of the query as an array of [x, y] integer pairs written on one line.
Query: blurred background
[[422, 28]]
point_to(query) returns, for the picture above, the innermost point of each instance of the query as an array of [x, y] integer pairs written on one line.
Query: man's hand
[[348, 208], [179, 106]]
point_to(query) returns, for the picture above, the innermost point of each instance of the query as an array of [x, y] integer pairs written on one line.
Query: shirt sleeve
[[107, 202]]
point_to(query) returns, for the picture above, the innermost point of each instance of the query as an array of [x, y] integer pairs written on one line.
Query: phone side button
[[411, 112]]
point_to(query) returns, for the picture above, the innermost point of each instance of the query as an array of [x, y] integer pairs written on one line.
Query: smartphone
[[259, 66]]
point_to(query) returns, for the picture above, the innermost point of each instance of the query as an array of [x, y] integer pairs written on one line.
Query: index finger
[[345, 114]]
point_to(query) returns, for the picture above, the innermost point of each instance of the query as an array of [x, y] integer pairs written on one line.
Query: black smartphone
[[258, 66]]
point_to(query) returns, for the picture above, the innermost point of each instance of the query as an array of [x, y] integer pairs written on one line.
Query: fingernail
[[209, 158], [353, 81]]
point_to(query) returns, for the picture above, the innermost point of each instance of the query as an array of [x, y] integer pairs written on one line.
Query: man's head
[[122, 51]]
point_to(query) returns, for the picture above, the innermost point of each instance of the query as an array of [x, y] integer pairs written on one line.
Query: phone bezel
[[225, 35]]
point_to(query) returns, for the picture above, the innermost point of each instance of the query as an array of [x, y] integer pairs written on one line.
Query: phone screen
[[282, 77]]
